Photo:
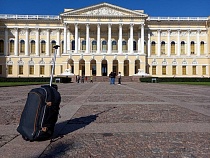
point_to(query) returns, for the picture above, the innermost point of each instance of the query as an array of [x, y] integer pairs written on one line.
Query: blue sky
[[181, 8]]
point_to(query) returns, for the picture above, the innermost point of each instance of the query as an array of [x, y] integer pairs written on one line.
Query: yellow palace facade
[[98, 39]]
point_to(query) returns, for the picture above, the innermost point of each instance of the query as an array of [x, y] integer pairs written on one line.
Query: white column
[[98, 38], [68, 40], [27, 42], [131, 38], [58, 42], [188, 43], [76, 38], [87, 38], [169, 43], [120, 39], [6, 42], [139, 41], [37, 42], [178, 43], [48, 43], [142, 39], [149, 44], [109, 38], [158, 51], [65, 39], [16, 42], [198, 42]]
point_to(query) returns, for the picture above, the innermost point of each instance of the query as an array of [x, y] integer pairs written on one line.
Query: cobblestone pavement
[[99, 120]]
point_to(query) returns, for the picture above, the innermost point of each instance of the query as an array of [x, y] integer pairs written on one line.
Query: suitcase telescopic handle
[[53, 67]]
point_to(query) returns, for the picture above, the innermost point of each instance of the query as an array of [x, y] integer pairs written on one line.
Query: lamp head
[[56, 46]]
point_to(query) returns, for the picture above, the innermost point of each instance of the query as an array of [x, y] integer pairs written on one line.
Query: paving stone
[[110, 121]]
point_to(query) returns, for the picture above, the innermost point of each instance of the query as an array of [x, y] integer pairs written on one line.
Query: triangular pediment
[[104, 9]]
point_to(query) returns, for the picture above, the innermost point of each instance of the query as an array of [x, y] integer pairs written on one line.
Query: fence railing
[[33, 17]]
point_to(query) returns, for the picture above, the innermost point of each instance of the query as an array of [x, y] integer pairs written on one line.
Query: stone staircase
[[123, 79]]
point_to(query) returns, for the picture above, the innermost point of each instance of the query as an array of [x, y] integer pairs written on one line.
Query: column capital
[[131, 24], [198, 30], [158, 30]]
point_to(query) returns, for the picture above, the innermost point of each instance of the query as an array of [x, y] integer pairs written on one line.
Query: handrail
[[28, 17], [178, 18], [57, 17]]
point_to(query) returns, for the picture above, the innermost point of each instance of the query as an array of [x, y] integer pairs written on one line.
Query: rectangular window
[[203, 70], [154, 70], [1, 69], [184, 70], [41, 70], [194, 70], [9, 69], [163, 70], [173, 70], [20, 69], [31, 69]]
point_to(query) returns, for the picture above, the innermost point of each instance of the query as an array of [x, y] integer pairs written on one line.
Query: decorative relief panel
[[22, 32], [104, 11], [20, 62], [164, 33], [53, 33], [32, 33], [174, 33], [42, 62], [43, 33], [183, 33], [193, 33]]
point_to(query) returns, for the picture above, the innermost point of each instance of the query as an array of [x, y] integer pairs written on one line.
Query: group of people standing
[[83, 79], [112, 77]]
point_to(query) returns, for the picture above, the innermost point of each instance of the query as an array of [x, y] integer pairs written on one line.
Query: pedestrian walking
[[119, 78]]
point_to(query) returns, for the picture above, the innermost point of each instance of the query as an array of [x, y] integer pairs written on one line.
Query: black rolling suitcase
[[41, 111]]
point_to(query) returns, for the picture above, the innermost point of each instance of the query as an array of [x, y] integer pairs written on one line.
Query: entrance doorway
[[104, 68]]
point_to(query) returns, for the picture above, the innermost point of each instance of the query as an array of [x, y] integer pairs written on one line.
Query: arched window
[[163, 47], [192, 47], [1, 46], [202, 47], [114, 45], [73, 45], [32, 47], [104, 45], [134, 45], [182, 47], [153, 50], [22, 46], [94, 45], [53, 43], [173, 48], [43, 47], [11, 47], [83, 45], [124, 45]]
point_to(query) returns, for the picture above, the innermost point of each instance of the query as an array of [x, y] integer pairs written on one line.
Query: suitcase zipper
[[44, 111]]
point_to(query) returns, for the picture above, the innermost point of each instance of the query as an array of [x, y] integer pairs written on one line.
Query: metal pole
[[54, 59]]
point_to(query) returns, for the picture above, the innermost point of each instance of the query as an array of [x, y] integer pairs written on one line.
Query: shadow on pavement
[[66, 127]]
